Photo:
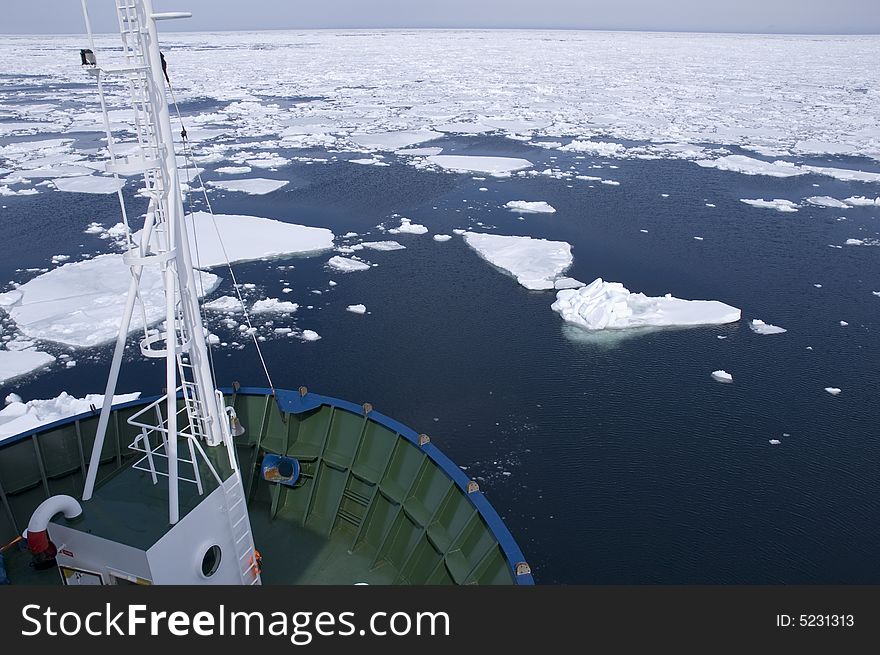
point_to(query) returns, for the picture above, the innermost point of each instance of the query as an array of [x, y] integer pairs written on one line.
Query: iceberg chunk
[[609, 305]]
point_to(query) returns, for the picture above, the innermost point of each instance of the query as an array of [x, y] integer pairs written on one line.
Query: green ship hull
[[375, 502]]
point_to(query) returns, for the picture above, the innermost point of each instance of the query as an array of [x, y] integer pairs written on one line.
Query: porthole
[[211, 561]]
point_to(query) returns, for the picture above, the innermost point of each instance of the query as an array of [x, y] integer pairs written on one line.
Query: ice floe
[[442, 237], [394, 140], [722, 376], [779, 204], [80, 304], [751, 166], [535, 263], [382, 245], [89, 184], [274, 306], [357, 309], [827, 201], [256, 186], [760, 327], [597, 148], [18, 417], [20, 362], [862, 201], [234, 170], [248, 238], [531, 207], [408, 227], [225, 304], [310, 335], [468, 163], [604, 305], [347, 265]]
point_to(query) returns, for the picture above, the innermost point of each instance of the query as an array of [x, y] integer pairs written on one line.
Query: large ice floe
[[248, 238], [81, 303], [17, 416], [14, 363], [603, 305], [535, 263], [256, 186], [472, 164], [393, 140]]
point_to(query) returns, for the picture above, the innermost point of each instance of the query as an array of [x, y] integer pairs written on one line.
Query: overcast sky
[[776, 16]]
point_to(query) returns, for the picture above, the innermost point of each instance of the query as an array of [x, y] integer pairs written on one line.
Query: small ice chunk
[[722, 376], [383, 245], [347, 265], [227, 304], [357, 309], [774, 442], [832, 390], [310, 335], [760, 327], [257, 186], [442, 237], [779, 204], [827, 201], [530, 207], [843, 324], [274, 306], [408, 227], [567, 283]]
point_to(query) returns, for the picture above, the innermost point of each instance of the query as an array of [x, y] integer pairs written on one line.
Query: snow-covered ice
[[751, 166], [248, 238], [779, 204], [234, 170], [80, 304], [827, 201], [535, 263], [18, 417], [20, 362], [347, 265], [473, 164], [408, 227], [256, 186], [394, 140], [722, 376], [274, 306], [383, 245], [604, 305], [760, 327], [225, 304], [89, 184], [530, 207]]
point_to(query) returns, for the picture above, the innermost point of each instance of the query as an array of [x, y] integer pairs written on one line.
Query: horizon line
[[465, 29]]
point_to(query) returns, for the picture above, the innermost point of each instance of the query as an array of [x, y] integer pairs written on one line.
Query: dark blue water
[[626, 462]]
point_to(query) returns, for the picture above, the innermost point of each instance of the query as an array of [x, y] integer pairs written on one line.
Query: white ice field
[[692, 97]]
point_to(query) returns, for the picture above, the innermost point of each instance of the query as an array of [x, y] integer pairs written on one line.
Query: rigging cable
[[188, 161]]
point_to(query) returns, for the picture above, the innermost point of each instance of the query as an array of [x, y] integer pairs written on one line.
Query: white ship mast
[[172, 439]]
